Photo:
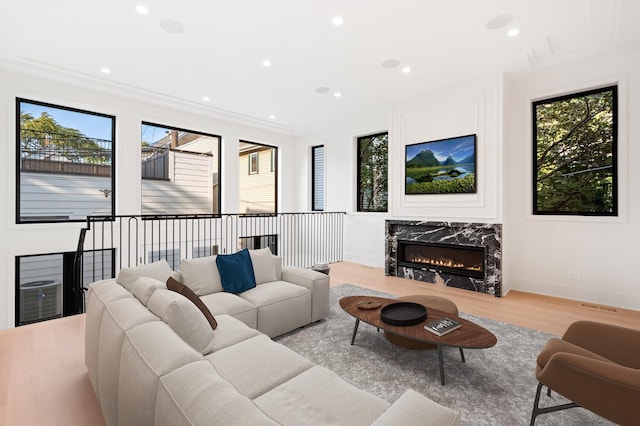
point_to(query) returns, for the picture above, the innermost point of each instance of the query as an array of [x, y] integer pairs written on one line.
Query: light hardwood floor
[[543, 313], [43, 379]]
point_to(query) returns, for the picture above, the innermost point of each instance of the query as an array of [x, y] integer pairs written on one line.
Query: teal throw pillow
[[236, 271]]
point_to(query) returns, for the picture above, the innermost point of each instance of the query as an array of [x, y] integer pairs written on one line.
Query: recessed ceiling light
[[266, 63], [206, 98], [142, 9], [337, 21], [322, 90], [513, 32], [171, 26], [406, 70], [105, 70], [273, 117], [337, 94], [390, 63], [499, 21]]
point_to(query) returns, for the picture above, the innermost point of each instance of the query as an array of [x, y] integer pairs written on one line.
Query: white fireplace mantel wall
[[539, 254]]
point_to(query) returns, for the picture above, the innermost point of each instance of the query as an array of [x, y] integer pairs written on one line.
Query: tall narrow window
[[64, 163], [258, 184], [372, 173], [180, 171], [575, 145], [317, 178]]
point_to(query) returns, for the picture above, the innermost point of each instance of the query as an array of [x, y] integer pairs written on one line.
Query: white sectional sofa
[[153, 359], [301, 294]]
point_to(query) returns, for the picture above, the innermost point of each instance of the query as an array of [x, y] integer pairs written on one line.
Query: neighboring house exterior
[[257, 178], [180, 174]]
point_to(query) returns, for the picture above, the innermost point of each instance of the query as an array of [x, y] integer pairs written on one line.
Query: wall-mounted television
[[444, 166]]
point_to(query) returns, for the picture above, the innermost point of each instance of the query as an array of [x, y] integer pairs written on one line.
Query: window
[[575, 164], [257, 188], [180, 171], [45, 283], [372, 173], [317, 178], [253, 163], [64, 163]]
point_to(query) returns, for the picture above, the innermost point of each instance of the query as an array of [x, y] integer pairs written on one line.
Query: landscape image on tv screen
[[446, 166]]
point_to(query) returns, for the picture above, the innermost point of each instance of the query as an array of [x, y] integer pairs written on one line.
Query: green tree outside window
[[373, 154], [575, 139]]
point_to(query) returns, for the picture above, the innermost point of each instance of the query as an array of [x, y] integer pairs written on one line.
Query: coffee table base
[[438, 348]]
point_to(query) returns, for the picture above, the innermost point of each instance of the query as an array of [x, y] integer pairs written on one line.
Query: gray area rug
[[495, 386]]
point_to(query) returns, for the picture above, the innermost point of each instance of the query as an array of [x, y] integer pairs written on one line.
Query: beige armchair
[[595, 365]]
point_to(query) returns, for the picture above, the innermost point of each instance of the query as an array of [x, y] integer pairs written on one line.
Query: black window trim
[[275, 171], [313, 178], [358, 177], [614, 151], [19, 100], [219, 159]]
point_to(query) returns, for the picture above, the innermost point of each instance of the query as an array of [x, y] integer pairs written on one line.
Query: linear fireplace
[[467, 261], [454, 254]]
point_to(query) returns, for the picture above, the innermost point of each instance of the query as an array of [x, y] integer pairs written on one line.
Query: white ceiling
[[221, 50]]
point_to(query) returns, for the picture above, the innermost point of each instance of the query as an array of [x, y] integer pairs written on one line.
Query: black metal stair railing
[[109, 243]]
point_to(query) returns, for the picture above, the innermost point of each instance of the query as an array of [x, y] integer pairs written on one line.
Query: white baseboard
[[606, 298]]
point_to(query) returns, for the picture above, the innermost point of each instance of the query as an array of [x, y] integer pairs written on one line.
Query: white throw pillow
[[144, 287], [159, 270], [201, 275], [264, 265], [184, 318]]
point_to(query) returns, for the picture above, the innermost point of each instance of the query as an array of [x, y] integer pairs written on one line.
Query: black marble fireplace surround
[[487, 236]]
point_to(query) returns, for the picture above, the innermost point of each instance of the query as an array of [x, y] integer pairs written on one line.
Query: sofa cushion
[[319, 397], [159, 270], [178, 287], [236, 271], [413, 409], [201, 275], [144, 287], [184, 318], [257, 365], [149, 351], [231, 331], [273, 299], [264, 265], [227, 303], [195, 394]]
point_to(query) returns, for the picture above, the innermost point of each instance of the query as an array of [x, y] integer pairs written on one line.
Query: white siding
[[189, 189], [257, 191], [63, 195]]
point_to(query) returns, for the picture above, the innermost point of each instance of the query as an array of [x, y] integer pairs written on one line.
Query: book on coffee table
[[442, 326]]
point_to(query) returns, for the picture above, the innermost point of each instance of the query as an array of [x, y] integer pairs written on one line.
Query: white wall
[[130, 109], [473, 107], [542, 251], [538, 252]]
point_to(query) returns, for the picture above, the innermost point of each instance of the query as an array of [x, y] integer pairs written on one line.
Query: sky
[[92, 126], [458, 148]]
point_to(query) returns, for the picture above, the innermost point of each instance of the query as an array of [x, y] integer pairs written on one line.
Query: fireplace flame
[[447, 263]]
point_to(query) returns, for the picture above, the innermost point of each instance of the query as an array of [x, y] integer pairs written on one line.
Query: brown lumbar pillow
[[178, 287]]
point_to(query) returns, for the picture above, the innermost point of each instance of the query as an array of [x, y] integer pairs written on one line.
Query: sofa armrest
[[316, 282], [414, 409]]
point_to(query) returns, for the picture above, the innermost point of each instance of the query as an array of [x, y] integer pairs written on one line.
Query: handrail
[[108, 243]]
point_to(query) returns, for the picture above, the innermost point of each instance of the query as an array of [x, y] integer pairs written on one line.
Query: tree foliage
[[575, 145], [373, 153], [44, 137]]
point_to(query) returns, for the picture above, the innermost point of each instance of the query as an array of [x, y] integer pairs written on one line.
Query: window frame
[[275, 171], [614, 152], [18, 160], [314, 207], [219, 156], [256, 157], [360, 208]]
